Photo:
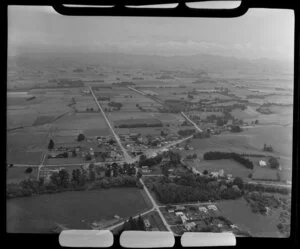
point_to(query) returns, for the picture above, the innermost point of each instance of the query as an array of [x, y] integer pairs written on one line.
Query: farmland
[[38, 214], [258, 225]]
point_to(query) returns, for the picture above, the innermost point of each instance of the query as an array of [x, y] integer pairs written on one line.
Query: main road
[[130, 159], [192, 122], [127, 157]]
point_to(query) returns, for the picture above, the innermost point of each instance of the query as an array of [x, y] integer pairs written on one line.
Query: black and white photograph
[[150, 123]]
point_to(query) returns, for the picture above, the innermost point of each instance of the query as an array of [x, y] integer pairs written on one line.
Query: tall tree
[[64, 178], [80, 137], [50, 145]]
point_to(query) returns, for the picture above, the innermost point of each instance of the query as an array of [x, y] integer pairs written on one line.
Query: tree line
[[217, 155]]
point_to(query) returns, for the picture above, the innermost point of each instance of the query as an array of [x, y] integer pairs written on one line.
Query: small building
[[212, 207], [178, 213], [171, 210], [180, 208], [184, 219], [190, 225], [147, 223], [262, 163], [203, 209]]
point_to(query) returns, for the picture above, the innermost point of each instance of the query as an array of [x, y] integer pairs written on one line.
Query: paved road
[[127, 157], [155, 206], [144, 94], [134, 217], [192, 122], [161, 149]]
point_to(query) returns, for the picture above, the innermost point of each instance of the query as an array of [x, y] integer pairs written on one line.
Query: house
[[178, 213], [190, 225], [212, 207], [147, 223], [203, 209], [171, 210], [184, 219], [262, 163], [145, 167], [180, 208]]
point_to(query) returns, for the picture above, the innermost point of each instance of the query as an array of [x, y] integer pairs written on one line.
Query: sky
[[260, 33]]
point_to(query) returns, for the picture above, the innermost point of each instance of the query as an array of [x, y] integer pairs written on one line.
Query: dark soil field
[[75, 210]]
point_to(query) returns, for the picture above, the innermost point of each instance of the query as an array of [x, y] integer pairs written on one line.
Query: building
[[147, 223], [180, 208], [178, 213], [262, 163], [189, 225], [203, 209], [171, 210], [212, 207], [183, 218]]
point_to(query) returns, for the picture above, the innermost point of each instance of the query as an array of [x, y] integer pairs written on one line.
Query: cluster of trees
[[90, 109], [115, 105], [273, 163], [192, 156], [264, 188], [236, 128], [138, 125], [190, 188], [261, 202], [103, 98], [80, 137], [115, 182], [202, 135], [51, 145], [144, 161], [185, 133], [134, 224], [217, 155], [268, 148], [63, 181]]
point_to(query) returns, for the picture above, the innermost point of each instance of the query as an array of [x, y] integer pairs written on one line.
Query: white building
[[188, 226], [147, 223], [184, 219], [212, 207], [262, 163], [203, 209]]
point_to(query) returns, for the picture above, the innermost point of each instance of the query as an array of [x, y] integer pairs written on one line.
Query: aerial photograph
[[149, 123]]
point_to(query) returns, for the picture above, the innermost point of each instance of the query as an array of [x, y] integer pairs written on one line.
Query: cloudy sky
[[259, 33]]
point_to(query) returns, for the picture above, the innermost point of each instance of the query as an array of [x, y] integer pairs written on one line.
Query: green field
[[258, 225], [73, 209], [17, 174]]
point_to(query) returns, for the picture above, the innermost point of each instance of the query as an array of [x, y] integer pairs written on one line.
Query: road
[[146, 95], [155, 206], [130, 160], [192, 122], [134, 217], [150, 152], [127, 157]]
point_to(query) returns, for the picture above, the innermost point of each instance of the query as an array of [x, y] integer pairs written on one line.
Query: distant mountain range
[[206, 62]]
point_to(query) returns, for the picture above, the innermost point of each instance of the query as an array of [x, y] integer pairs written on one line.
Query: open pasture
[[239, 212], [17, 174], [37, 214], [81, 121], [23, 157], [26, 139], [20, 117], [229, 166]]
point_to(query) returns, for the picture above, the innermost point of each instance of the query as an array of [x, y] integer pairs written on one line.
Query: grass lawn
[[69, 160], [17, 174], [258, 225], [23, 157], [76, 209]]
